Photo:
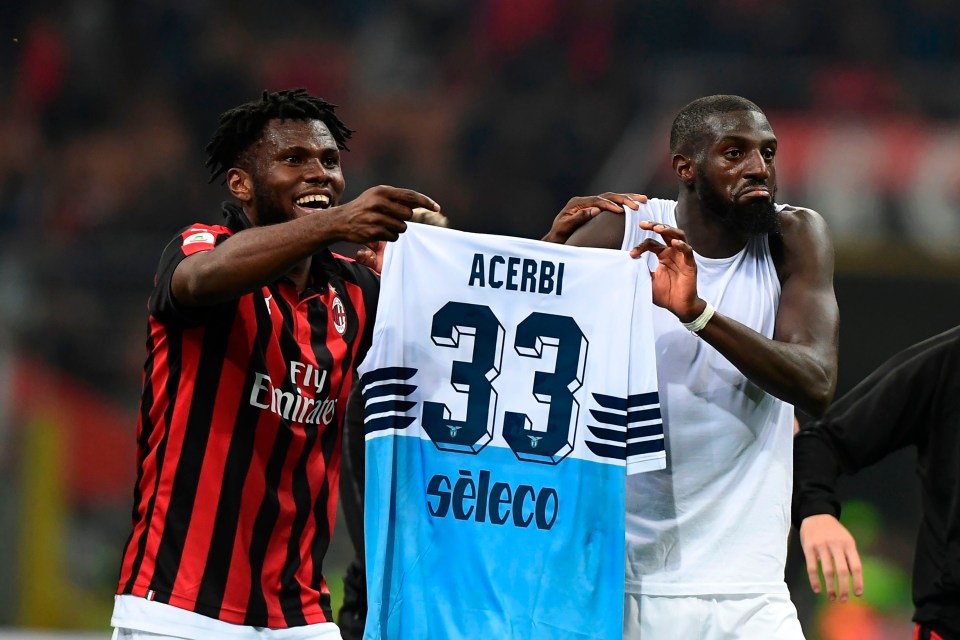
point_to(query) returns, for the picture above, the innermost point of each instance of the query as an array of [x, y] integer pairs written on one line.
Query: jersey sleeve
[[890, 409], [191, 240]]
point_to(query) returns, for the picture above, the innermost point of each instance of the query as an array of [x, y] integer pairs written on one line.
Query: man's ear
[[240, 184], [685, 169]]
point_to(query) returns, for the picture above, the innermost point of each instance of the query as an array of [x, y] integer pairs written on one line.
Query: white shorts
[[718, 617], [134, 634], [136, 618]]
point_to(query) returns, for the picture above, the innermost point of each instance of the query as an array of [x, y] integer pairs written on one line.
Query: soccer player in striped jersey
[[254, 330]]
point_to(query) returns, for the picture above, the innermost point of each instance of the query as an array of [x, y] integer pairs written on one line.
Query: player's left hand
[[371, 255], [581, 209], [675, 279]]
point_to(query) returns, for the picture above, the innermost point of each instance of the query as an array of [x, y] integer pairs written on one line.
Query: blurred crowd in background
[[501, 110]]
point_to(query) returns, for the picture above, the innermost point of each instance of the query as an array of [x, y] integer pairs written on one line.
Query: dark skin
[[292, 159], [799, 365]]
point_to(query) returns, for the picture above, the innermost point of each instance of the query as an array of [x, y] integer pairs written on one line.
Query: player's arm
[[593, 221], [894, 407], [799, 365], [259, 255]]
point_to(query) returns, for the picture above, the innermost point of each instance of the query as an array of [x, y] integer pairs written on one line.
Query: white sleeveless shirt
[[716, 520]]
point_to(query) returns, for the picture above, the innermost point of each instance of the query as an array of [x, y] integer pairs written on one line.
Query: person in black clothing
[[352, 616], [913, 399]]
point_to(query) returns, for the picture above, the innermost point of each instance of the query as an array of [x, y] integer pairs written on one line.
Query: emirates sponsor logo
[[305, 404]]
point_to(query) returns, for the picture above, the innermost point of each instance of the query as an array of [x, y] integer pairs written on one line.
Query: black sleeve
[[162, 304], [887, 411], [370, 285], [353, 613]]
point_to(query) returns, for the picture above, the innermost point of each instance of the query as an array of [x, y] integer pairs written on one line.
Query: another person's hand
[[827, 543], [371, 255], [581, 209]]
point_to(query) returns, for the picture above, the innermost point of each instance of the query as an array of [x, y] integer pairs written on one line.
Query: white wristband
[[695, 326]]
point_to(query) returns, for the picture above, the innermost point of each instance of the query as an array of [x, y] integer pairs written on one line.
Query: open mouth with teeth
[[313, 201]]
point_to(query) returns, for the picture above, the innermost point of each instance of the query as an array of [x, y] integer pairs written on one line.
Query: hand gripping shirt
[[509, 389]]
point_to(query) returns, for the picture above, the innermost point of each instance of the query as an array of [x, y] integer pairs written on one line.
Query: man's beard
[[269, 211], [754, 217]]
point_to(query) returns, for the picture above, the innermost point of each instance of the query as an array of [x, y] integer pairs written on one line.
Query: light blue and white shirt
[[510, 388]]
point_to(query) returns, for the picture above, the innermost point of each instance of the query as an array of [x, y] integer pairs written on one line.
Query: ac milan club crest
[[338, 314]]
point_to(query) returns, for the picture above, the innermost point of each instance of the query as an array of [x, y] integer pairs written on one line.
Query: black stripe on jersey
[[645, 431], [389, 389], [187, 477], [617, 403], [389, 406], [236, 467], [174, 343], [329, 436], [266, 520], [387, 422], [383, 374], [614, 451], [614, 435], [621, 428], [646, 446], [263, 529], [621, 420], [290, 592]]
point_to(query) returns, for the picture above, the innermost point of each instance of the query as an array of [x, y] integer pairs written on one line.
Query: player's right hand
[[828, 543], [379, 213], [581, 209]]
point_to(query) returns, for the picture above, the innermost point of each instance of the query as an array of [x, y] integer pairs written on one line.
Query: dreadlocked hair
[[242, 126], [688, 126]]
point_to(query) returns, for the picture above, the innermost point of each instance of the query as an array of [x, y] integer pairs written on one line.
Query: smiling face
[[292, 171], [736, 179]]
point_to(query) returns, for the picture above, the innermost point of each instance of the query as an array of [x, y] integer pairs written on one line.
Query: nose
[[756, 166], [313, 170]]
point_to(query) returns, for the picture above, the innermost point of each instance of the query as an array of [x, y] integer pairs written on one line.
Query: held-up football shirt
[[510, 387]]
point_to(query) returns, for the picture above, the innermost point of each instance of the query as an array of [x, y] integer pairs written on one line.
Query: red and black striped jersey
[[239, 440]]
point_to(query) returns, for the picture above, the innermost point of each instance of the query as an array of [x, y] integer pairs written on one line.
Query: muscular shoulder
[[797, 221], [803, 243]]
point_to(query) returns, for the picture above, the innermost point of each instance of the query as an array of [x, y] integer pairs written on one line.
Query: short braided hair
[[242, 126]]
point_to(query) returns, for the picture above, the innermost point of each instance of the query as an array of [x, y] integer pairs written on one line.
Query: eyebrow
[[298, 148], [733, 137]]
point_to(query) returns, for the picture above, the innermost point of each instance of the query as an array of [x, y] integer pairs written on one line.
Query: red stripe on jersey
[[316, 469], [190, 357], [276, 557], [229, 396], [269, 424], [237, 591], [146, 462]]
